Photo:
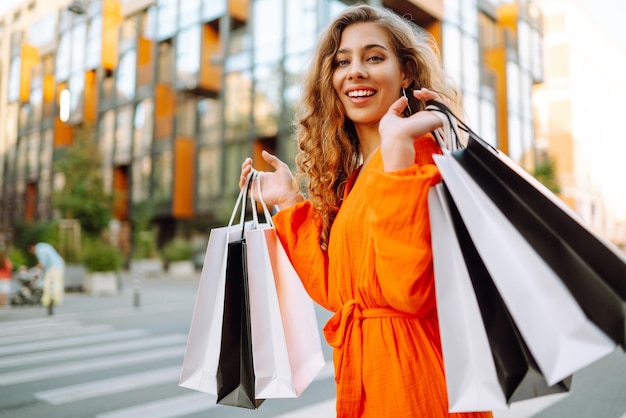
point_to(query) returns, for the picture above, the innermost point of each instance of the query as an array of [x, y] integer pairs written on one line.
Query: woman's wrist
[[397, 155], [290, 199]]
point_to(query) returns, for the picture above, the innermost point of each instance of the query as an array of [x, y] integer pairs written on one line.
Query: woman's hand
[[398, 133], [278, 188]]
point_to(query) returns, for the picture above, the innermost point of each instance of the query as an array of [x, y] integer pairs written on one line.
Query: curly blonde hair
[[327, 141]]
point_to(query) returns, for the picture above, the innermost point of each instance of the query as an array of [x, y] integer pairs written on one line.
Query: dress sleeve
[[399, 221], [298, 229]]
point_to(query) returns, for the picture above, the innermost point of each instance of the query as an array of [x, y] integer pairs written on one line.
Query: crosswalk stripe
[[63, 354], [109, 386], [75, 367], [62, 332], [198, 402], [30, 326], [48, 344], [166, 408], [316, 410]]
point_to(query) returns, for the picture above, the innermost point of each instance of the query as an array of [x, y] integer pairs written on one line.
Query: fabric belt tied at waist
[[343, 332]]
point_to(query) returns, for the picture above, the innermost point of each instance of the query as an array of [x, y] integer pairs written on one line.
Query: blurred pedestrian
[[360, 239], [53, 267], [6, 274]]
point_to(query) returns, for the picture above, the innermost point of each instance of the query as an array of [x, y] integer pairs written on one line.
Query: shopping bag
[[204, 344], [285, 333], [471, 377], [235, 371], [591, 267], [518, 373], [558, 333]]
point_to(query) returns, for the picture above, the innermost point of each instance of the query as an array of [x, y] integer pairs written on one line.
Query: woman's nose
[[357, 70]]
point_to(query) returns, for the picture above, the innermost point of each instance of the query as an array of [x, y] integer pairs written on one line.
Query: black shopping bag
[[235, 370], [518, 373], [592, 269]]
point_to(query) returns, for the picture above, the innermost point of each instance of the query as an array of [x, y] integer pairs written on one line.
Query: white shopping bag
[[471, 376], [202, 353], [559, 335], [286, 345]]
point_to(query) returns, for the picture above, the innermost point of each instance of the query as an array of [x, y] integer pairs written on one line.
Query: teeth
[[360, 93]]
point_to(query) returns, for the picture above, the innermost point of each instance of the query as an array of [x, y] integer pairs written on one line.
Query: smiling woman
[[360, 241]]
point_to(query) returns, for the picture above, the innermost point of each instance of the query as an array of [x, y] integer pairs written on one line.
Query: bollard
[[136, 291], [51, 302]]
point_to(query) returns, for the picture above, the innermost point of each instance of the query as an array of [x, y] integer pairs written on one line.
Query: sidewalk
[[151, 289]]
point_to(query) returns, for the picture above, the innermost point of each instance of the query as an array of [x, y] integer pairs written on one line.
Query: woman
[[361, 241]]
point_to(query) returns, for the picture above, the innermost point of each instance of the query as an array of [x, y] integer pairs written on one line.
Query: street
[[101, 356]]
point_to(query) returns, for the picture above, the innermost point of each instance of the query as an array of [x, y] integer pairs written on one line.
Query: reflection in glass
[[76, 88], [94, 43], [162, 177], [126, 76], [63, 57], [189, 12], [209, 121], [32, 155], [267, 99], [143, 124], [142, 168], [209, 179], [268, 30], [123, 144], [167, 16], [186, 116], [79, 38], [301, 19], [188, 52], [237, 105], [213, 9]]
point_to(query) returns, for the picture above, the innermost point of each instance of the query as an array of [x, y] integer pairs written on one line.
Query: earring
[[407, 105]]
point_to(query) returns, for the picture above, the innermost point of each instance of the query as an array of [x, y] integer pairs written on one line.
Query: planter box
[[101, 283], [74, 280], [181, 269], [146, 266]]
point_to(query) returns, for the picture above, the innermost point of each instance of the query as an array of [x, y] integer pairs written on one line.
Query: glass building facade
[[178, 92]]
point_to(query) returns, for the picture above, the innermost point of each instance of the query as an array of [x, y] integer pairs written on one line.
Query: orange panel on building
[[144, 61], [91, 97], [210, 72], [164, 110], [120, 193], [238, 9], [184, 178], [111, 19], [63, 132], [30, 57]]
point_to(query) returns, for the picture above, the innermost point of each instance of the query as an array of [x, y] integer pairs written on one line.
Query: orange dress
[[377, 278]]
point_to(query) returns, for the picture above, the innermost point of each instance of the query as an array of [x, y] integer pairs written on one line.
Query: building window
[[186, 116], [126, 76], [188, 52], [209, 176], [13, 89], [123, 134], [143, 127], [213, 9], [162, 177], [167, 17], [94, 43]]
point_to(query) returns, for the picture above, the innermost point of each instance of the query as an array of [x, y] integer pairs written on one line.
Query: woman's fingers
[[398, 106]]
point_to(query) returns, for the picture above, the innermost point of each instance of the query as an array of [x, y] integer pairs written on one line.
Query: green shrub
[[101, 256], [178, 250]]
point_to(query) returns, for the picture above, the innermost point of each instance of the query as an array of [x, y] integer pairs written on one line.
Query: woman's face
[[367, 75]]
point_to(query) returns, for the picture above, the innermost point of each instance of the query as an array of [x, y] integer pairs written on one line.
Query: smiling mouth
[[361, 93]]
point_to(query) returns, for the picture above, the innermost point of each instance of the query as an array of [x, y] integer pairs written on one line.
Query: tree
[[83, 196], [545, 172]]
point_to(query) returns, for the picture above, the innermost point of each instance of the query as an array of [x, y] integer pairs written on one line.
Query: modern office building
[[178, 92], [577, 109]]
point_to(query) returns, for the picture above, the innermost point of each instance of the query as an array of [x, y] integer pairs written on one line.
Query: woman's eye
[[342, 63], [375, 58]]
